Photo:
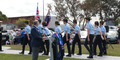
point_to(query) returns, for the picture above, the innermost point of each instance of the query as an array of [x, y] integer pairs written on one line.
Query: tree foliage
[[20, 22], [2, 16], [105, 9]]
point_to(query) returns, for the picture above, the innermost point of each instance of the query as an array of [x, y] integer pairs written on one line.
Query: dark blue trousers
[[76, 40], [104, 46], [90, 49], [68, 43], [25, 42], [98, 41]]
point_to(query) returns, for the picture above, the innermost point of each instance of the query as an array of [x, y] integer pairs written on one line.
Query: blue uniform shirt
[[91, 27], [23, 33], [103, 29], [97, 30], [40, 28], [28, 29], [46, 31], [77, 28], [67, 28], [58, 29]]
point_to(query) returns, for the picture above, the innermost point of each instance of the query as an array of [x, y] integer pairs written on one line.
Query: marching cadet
[[90, 36], [54, 45], [46, 33], [98, 39], [58, 28], [27, 38], [67, 36], [77, 38], [40, 27], [1, 28], [103, 32]]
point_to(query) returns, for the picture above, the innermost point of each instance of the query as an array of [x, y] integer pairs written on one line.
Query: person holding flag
[[57, 30], [46, 33], [58, 55]]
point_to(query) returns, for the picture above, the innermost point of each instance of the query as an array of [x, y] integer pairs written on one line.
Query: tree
[[2, 16], [61, 9], [111, 10], [106, 9], [20, 23], [68, 9]]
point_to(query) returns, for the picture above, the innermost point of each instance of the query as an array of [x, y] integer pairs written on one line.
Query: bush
[[20, 23]]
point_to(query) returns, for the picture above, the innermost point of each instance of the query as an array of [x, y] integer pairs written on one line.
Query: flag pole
[[43, 10]]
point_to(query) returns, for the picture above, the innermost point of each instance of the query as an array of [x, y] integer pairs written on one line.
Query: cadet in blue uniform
[[40, 27], [67, 36], [55, 42], [77, 38], [27, 38], [103, 31], [57, 28], [90, 36], [46, 33], [98, 39]]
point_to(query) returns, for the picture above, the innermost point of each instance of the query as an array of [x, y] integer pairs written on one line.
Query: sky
[[15, 8]]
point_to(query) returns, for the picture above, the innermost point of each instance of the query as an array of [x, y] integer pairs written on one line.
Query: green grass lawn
[[111, 52], [25, 57]]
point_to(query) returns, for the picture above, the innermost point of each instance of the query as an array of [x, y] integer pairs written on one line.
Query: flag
[[37, 13], [60, 54], [48, 18]]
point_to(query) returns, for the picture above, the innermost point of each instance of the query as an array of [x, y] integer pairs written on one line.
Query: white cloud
[[14, 8]]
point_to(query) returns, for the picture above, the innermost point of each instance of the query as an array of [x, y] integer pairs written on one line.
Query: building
[[13, 20]]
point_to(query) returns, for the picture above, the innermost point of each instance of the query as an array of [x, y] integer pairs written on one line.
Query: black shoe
[[79, 54], [29, 53], [21, 53], [100, 55], [44, 54], [68, 55], [90, 57]]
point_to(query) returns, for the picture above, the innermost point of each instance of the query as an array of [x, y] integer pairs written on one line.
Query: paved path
[[84, 56]]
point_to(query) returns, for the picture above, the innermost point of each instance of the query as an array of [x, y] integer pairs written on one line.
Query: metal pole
[[43, 10]]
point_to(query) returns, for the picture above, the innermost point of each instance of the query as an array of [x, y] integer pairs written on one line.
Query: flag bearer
[[46, 33], [58, 30]]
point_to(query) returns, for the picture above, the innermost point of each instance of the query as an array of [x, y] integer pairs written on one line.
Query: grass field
[[25, 57], [111, 52]]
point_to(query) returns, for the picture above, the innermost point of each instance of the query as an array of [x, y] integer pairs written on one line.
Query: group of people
[[16, 37], [34, 37]]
